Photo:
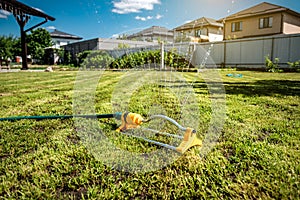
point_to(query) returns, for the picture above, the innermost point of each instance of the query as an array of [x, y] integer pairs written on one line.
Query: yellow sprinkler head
[[130, 121]]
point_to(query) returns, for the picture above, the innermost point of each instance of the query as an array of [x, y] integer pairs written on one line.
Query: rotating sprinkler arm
[[168, 119]]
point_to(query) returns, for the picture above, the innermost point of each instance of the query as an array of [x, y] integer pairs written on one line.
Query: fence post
[[162, 53], [272, 49], [224, 59]]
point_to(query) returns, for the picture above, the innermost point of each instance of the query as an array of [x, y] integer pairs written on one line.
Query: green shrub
[[82, 55], [294, 66], [146, 58], [95, 59], [272, 66]]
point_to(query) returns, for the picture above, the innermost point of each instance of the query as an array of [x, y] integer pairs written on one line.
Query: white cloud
[[4, 14], [115, 36], [188, 21], [141, 18], [158, 16], [148, 17], [51, 27], [133, 6]]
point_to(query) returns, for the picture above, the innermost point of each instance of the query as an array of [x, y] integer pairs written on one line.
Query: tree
[[37, 41], [8, 47], [17, 50]]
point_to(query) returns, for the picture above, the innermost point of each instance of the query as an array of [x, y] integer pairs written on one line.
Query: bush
[[147, 58], [272, 66], [95, 59], [294, 66]]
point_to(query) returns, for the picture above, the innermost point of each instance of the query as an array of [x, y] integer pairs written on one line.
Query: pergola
[[22, 14]]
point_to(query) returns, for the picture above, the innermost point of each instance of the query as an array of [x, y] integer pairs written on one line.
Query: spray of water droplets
[[149, 90]]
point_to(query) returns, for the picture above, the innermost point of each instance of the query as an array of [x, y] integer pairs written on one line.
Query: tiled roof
[[204, 21], [60, 34], [158, 30], [262, 8]]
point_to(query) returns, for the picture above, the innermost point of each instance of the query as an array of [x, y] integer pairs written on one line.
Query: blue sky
[[106, 18]]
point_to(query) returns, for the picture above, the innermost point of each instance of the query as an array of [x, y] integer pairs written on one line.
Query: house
[[153, 34], [60, 38], [200, 30], [264, 19]]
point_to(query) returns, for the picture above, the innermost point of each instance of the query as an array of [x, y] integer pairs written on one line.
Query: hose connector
[[130, 121]]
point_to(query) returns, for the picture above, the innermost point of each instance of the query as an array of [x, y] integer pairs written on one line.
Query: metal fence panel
[[281, 49], [252, 52], [233, 53], [267, 48], [217, 53], [249, 52], [295, 49], [211, 54]]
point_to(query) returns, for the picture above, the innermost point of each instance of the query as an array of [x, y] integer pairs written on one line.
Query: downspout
[[224, 41], [281, 24], [225, 54], [224, 30]]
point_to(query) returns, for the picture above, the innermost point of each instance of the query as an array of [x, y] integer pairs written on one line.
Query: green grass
[[256, 157]]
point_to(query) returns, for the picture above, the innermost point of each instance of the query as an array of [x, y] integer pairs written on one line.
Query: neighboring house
[[263, 19], [153, 34], [200, 30], [60, 38], [104, 44]]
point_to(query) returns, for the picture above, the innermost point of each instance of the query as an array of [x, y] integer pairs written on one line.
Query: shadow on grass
[[257, 88], [264, 88]]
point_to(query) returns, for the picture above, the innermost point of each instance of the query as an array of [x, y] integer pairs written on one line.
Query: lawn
[[256, 156]]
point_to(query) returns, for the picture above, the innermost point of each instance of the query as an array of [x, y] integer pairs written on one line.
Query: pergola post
[[22, 20]]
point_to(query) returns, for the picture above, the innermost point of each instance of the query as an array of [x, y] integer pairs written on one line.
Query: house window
[[236, 26], [266, 22], [201, 32]]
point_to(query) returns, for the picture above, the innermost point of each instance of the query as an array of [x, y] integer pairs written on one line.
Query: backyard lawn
[[257, 156]]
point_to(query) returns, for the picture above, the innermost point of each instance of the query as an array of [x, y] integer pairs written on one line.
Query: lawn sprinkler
[[131, 121], [134, 121]]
